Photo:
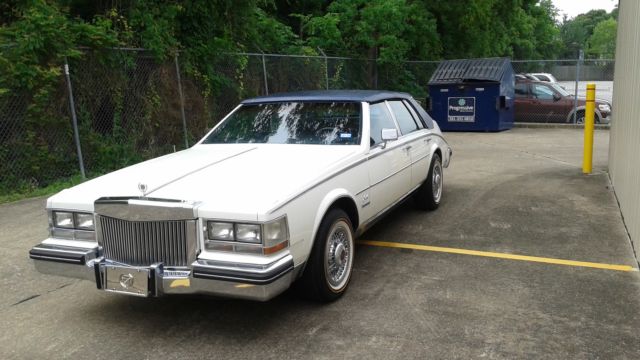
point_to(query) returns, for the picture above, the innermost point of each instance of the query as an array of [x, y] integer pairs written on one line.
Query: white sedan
[[274, 194]]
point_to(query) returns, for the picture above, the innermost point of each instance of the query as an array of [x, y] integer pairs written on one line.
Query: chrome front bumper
[[247, 281]]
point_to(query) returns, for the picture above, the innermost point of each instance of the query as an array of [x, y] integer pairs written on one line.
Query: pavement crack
[[38, 295], [59, 287], [26, 299], [536, 155]]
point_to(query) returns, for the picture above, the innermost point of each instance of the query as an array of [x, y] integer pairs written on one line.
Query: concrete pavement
[[518, 192]]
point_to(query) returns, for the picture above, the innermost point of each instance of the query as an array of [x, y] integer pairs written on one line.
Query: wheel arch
[[338, 198], [597, 119]]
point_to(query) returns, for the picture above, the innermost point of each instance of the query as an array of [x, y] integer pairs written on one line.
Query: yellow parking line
[[498, 255]]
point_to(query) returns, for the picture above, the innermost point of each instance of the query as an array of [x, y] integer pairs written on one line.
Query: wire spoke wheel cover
[[436, 181], [338, 255]]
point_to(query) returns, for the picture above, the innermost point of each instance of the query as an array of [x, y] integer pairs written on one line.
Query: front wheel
[[580, 117], [429, 194], [328, 270]]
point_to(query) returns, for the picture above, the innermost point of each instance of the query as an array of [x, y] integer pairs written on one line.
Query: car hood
[[232, 178], [582, 100]]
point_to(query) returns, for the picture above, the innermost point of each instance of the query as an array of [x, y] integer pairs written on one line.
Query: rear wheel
[[328, 270], [429, 194]]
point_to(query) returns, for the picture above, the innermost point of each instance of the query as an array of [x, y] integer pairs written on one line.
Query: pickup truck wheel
[[328, 271], [429, 194]]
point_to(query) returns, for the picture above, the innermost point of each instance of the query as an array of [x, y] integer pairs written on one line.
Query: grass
[[35, 192]]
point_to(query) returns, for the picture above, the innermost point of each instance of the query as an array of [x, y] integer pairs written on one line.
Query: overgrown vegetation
[[38, 36]]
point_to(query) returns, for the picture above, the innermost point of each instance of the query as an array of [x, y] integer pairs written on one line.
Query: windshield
[[327, 123], [559, 89]]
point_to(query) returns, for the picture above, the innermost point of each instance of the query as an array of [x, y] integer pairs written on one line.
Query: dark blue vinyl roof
[[330, 95]]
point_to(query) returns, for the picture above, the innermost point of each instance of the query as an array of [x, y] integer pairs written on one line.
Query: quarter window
[[414, 114], [403, 116], [380, 119]]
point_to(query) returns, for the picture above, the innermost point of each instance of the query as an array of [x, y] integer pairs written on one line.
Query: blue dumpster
[[473, 95]]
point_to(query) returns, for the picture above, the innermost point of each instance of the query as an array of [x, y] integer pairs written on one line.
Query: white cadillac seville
[[274, 194]]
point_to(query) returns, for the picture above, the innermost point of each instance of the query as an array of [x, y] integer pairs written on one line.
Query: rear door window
[[414, 114], [380, 119], [403, 116]]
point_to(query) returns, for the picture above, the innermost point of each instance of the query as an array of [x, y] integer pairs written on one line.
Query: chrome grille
[[142, 243]]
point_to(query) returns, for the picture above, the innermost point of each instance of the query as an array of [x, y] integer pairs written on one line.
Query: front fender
[[325, 204]]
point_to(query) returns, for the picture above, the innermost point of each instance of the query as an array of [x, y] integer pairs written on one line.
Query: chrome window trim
[[219, 123], [393, 117]]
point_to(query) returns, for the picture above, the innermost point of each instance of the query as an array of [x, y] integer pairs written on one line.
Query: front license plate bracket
[[127, 280]]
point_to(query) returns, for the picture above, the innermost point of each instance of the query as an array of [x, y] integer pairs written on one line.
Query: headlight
[[70, 225], [84, 221], [265, 238], [604, 107], [220, 231], [248, 233], [63, 219]]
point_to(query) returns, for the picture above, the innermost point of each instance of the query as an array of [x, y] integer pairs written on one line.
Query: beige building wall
[[624, 148]]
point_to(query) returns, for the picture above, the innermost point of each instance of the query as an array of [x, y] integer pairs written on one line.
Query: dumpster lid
[[455, 71]]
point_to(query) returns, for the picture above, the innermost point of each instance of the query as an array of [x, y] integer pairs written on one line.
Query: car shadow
[[227, 318]]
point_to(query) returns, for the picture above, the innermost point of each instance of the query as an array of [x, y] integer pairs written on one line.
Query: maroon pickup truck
[[539, 101]]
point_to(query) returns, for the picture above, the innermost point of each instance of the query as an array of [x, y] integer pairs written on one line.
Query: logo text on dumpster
[[461, 109]]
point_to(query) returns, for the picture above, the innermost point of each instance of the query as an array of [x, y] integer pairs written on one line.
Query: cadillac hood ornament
[[143, 188]]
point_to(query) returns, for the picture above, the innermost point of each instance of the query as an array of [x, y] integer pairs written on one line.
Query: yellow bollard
[[589, 113]]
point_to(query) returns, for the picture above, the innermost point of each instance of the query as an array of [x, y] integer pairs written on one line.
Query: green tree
[[602, 43], [576, 32], [387, 31], [488, 28]]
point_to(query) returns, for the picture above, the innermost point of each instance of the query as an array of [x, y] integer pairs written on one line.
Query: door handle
[[407, 148]]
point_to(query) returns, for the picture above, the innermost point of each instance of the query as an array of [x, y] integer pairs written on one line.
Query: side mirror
[[389, 135], [556, 97]]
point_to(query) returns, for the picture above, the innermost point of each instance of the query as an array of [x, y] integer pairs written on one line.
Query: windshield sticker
[[345, 135]]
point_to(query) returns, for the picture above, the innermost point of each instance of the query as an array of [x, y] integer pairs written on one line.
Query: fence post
[[326, 68], [264, 72], [575, 98], [184, 119], [74, 119]]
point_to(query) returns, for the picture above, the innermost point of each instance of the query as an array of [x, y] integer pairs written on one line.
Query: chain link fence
[[130, 107], [562, 99]]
